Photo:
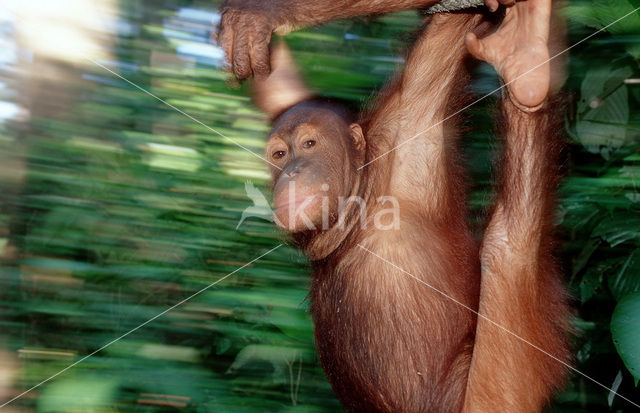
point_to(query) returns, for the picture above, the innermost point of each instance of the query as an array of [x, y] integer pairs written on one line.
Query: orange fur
[[394, 309]]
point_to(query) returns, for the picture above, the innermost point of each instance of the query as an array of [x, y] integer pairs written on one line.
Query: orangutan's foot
[[519, 52]]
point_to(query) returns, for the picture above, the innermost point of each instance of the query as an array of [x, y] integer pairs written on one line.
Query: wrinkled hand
[[244, 35]]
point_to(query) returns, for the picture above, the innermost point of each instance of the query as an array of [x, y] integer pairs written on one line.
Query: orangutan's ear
[[283, 88]]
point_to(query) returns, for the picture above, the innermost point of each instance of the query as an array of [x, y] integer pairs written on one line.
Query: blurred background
[[115, 206]]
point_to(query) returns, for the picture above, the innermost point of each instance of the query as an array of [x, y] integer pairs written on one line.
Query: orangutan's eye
[[309, 144], [279, 154]]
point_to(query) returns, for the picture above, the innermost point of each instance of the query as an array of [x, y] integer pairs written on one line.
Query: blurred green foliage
[[115, 207]]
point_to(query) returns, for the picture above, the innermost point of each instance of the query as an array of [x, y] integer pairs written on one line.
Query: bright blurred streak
[[173, 157], [68, 30], [207, 52], [46, 354], [8, 110], [189, 32]]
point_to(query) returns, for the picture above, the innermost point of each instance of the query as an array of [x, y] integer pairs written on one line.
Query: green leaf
[[86, 394], [294, 323], [627, 280], [583, 257], [607, 13], [599, 83], [619, 228], [604, 108], [590, 284], [625, 331]]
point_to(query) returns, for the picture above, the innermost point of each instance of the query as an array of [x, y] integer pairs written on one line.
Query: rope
[[453, 5]]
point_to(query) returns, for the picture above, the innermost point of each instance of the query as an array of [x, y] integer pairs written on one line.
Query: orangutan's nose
[[292, 170]]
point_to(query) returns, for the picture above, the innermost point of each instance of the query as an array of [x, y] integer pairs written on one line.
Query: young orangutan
[[395, 305]]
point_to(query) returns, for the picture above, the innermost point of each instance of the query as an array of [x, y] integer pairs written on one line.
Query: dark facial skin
[[318, 152]]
